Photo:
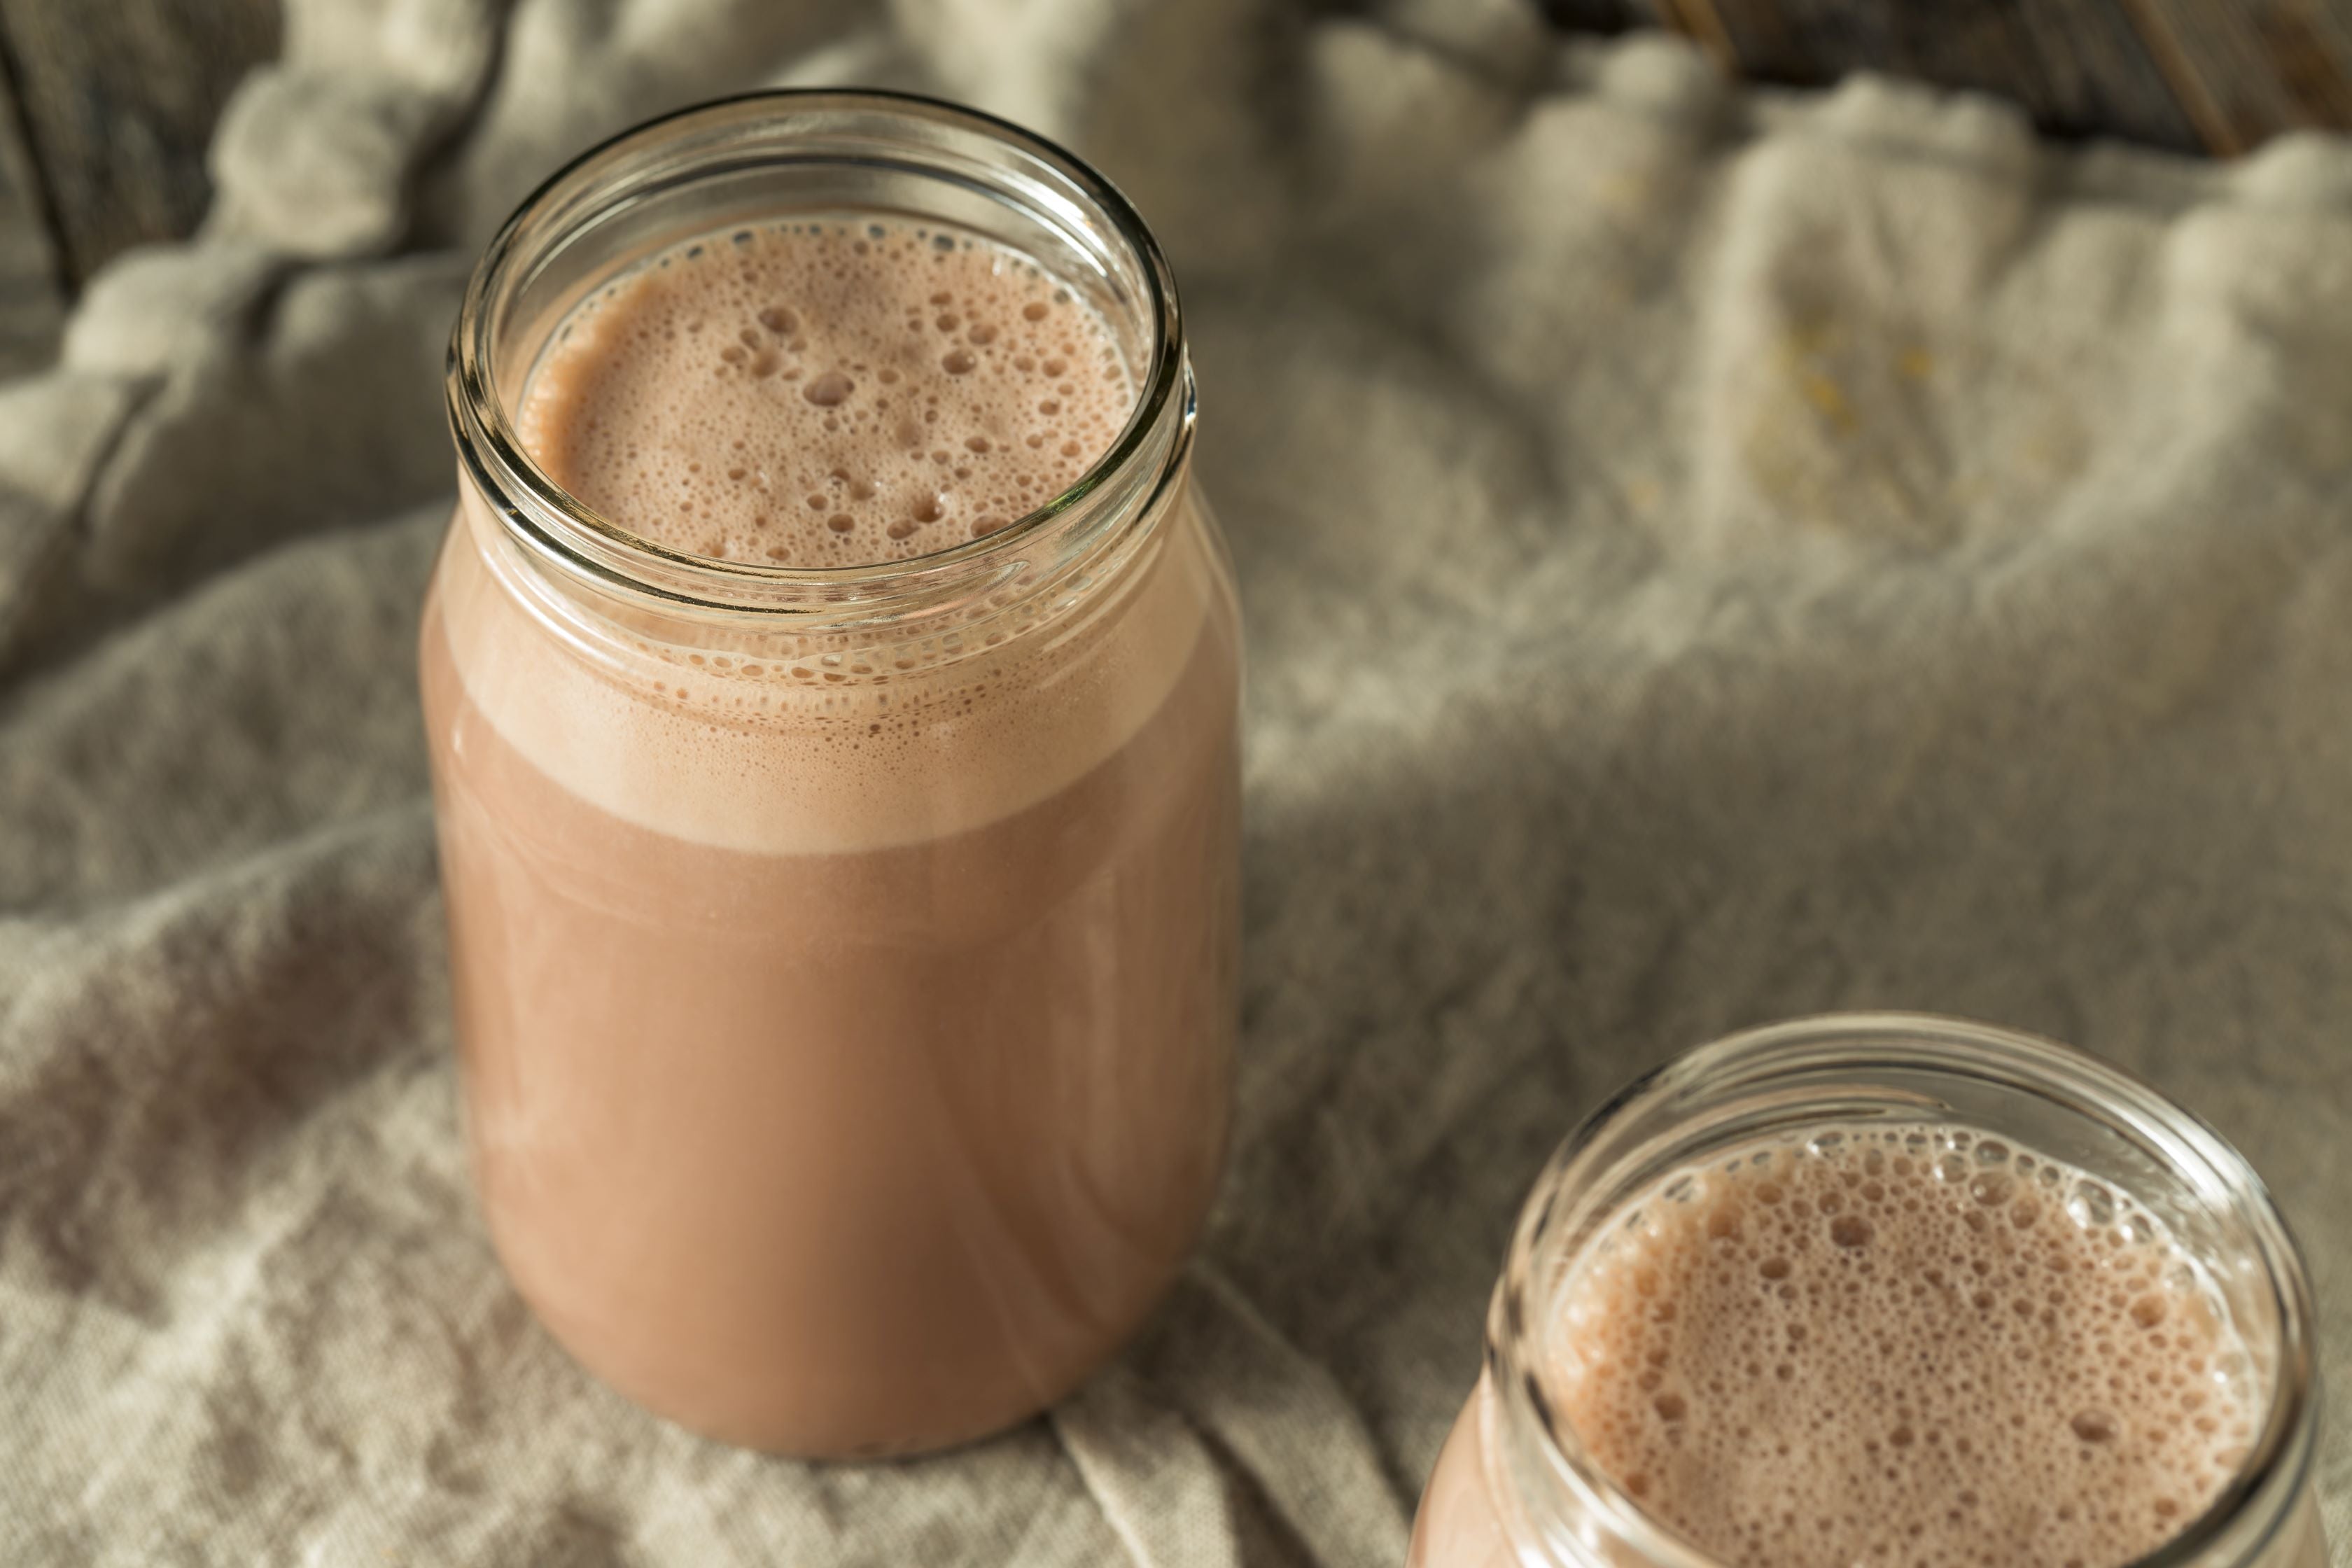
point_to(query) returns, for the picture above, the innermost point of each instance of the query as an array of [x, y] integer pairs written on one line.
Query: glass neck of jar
[[723, 166], [1564, 1512]]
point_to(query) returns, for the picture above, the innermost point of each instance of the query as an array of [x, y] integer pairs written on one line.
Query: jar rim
[[563, 529], [2277, 1463]]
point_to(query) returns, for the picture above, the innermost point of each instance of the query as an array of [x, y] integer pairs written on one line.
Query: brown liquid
[[834, 1154], [847, 1037], [1912, 1344], [1461, 1522]]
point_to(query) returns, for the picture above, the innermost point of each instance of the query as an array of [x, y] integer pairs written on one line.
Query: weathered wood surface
[[2245, 69], [2215, 76], [116, 101], [32, 305]]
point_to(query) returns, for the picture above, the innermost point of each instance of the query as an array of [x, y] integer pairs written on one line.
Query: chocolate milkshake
[[1914, 1343], [844, 977]]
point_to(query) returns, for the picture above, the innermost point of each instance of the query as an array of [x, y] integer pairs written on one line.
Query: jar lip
[[2277, 1463], [563, 528]]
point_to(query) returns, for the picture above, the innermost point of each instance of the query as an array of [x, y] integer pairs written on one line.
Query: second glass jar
[[1516, 1484]]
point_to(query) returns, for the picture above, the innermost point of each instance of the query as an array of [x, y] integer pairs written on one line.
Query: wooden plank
[[2078, 67], [2221, 76], [32, 305], [2097, 77], [118, 102], [2247, 69], [1605, 15]]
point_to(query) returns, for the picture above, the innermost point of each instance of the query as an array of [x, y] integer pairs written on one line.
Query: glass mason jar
[[844, 960], [1512, 1485]]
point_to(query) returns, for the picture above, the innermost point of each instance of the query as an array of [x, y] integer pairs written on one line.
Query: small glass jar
[[844, 960], [1512, 1485]]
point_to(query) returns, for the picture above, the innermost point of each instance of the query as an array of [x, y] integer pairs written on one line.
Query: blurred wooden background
[[2195, 75], [106, 105]]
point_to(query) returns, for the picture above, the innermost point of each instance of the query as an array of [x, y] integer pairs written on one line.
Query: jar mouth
[[1785, 1075], [911, 134]]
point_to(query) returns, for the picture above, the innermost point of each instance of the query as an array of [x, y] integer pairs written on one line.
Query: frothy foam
[[653, 405], [1916, 1346], [825, 393]]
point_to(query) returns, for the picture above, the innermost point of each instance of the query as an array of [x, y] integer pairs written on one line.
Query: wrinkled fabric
[[1708, 555]]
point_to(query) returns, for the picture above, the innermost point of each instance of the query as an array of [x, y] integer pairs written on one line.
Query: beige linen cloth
[[1709, 556]]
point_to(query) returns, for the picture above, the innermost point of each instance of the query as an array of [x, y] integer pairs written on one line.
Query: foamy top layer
[[1911, 1345], [765, 749], [825, 393]]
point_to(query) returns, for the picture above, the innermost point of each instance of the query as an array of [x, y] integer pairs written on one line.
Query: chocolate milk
[[1915, 1346], [846, 1035], [825, 393]]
